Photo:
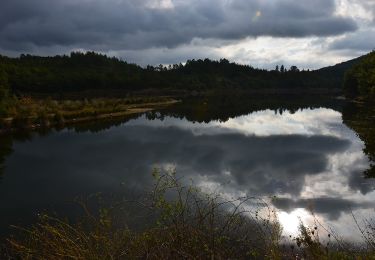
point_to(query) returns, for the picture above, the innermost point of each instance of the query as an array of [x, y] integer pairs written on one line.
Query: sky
[[263, 33]]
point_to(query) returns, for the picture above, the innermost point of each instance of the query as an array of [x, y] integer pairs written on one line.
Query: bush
[[191, 225]]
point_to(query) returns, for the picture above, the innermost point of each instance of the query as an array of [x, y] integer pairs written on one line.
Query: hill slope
[[91, 71]]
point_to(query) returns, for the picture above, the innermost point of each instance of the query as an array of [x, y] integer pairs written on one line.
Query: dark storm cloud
[[128, 24], [363, 40], [331, 207]]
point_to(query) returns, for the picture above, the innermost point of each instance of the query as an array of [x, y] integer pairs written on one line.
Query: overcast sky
[[263, 33]]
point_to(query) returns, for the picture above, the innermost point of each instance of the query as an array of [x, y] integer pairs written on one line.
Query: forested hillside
[[360, 79], [92, 71]]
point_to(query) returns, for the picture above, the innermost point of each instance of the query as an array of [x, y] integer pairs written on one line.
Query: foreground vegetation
[[188, 224]]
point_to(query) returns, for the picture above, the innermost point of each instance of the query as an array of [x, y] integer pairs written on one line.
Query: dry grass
[[190, 225], [27, 112]]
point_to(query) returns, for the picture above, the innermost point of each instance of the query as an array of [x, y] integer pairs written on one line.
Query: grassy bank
[[29, 113], [189, 224]]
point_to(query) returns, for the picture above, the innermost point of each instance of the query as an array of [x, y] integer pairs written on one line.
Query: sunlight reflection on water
[[308, 159]]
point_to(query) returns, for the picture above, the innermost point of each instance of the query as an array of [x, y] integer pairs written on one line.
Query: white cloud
[[160, 4]]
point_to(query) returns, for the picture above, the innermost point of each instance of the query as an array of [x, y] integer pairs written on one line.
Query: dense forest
[[91, 71], [360, 79], [68, 87]]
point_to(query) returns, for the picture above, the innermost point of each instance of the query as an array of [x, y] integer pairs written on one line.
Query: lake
[[303, 154]]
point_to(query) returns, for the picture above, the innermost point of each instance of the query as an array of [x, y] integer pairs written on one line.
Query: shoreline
[[130, 110]]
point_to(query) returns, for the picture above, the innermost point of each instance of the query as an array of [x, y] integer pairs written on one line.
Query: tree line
[[90, 71], [360, 79]]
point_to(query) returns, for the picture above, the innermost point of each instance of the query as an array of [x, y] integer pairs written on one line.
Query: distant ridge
[[90, 72], [337, 72], [343, 66]]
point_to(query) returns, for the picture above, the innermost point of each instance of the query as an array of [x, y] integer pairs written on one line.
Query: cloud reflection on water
[[308, 158]]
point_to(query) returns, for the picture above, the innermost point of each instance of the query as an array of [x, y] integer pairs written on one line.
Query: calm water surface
[[307, 158]]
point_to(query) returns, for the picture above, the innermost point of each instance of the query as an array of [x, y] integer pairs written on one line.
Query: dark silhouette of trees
[[90, 72], [294, 69], [360, 80]]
